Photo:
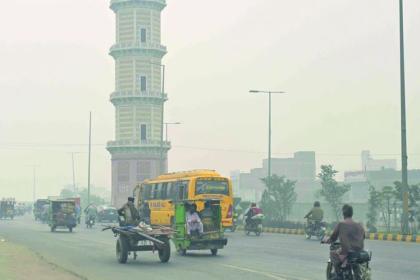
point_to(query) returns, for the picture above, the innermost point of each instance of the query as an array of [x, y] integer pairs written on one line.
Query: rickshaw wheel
[[122, 249], [182, 252], [52, 228], [213, 252], [165, 252]]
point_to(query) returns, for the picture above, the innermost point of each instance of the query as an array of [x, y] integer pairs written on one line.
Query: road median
[[370, 236]]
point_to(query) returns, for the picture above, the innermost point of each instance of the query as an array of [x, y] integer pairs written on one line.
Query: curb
[[370, 236]]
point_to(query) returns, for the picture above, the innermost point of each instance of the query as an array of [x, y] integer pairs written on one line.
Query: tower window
[[143, 35], [142, 83], [143, 132]]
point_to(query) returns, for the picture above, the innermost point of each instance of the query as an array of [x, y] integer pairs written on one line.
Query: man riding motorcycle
[[252, 221], [314, 220], [351, 236], [91, 212]]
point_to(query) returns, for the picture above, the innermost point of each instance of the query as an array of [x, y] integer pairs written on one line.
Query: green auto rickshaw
[[62, 213], [198, 225]]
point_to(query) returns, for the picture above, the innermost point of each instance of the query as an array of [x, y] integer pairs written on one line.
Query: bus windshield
[[211, 186]]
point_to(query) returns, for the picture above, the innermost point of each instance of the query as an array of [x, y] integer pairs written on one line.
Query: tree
[[331, 190], [386, 205], [83, 194], [278, 197], [413, 202], [374, 202]]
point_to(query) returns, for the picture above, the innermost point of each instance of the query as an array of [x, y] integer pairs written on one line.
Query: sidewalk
[[19, 263]]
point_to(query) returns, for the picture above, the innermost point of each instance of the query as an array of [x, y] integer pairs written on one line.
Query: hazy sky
[[338, 61]]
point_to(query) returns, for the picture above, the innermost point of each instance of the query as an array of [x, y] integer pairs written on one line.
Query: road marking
[[266, 274]]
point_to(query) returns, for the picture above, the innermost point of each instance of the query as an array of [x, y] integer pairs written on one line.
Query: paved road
[[91, 254]]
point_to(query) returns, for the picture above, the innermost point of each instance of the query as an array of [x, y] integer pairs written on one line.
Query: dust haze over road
[[91, 253]]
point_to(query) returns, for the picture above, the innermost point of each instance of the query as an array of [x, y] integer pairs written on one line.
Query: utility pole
[[74, 177], [34, 166], [404, 158], [90, 145], [161, 123], [269, 126]]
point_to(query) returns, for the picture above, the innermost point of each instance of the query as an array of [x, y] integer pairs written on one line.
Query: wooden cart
[[142, 238]]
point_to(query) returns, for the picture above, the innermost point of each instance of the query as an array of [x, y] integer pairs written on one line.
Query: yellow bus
[[160, 192]]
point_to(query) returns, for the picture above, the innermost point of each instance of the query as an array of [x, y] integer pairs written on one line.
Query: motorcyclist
[[351, 236], [315, 215], [91, 212], [252, 211], [130, 213]]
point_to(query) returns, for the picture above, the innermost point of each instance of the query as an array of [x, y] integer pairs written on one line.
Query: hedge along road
[[91, 254]]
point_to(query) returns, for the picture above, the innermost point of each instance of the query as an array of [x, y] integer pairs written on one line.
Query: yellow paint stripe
[[389, 236], [398, 237], [408, 238]]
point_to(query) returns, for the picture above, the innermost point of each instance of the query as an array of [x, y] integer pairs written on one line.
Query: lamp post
[[405, 226], [161, 116], [269, 125], [166, 128]]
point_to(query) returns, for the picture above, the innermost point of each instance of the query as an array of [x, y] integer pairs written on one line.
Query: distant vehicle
[[39, 208], [90, 221], [357, 262], [212, 237], [315, 228], [62, 214], [107, 214], [254, 225], [188, 185], [7, 208]]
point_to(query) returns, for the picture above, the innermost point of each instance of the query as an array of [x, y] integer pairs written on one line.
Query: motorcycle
[[90, 222], [254, 224], [357, 266], [315, 228]]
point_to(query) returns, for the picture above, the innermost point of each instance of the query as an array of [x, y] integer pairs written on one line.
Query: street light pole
[[166, 128], [404, 159], [269, 135], [269, 125], [89, 151], [161, 169]]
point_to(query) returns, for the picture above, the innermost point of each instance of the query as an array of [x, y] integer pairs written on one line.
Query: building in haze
[[138, 151], [300, 168], [371, 164]]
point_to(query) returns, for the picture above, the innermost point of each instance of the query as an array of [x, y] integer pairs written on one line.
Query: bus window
[[211, 186], [182, 188], [163, 191], [146, 192], [156, 191], [173, 191]]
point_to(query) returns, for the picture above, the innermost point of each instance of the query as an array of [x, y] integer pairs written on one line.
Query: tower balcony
[[129, 95], [130, 48], [112, 145], [153, 4]]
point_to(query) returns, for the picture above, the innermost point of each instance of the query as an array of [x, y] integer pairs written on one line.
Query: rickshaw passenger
[[194, 223], [207, 217]]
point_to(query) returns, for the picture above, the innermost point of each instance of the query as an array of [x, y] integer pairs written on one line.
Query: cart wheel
[[182, 252], [165, 252], [213, 252], [122, 249], [70, 229]]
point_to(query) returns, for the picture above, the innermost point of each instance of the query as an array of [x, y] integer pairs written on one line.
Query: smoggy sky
[[338, 61]]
